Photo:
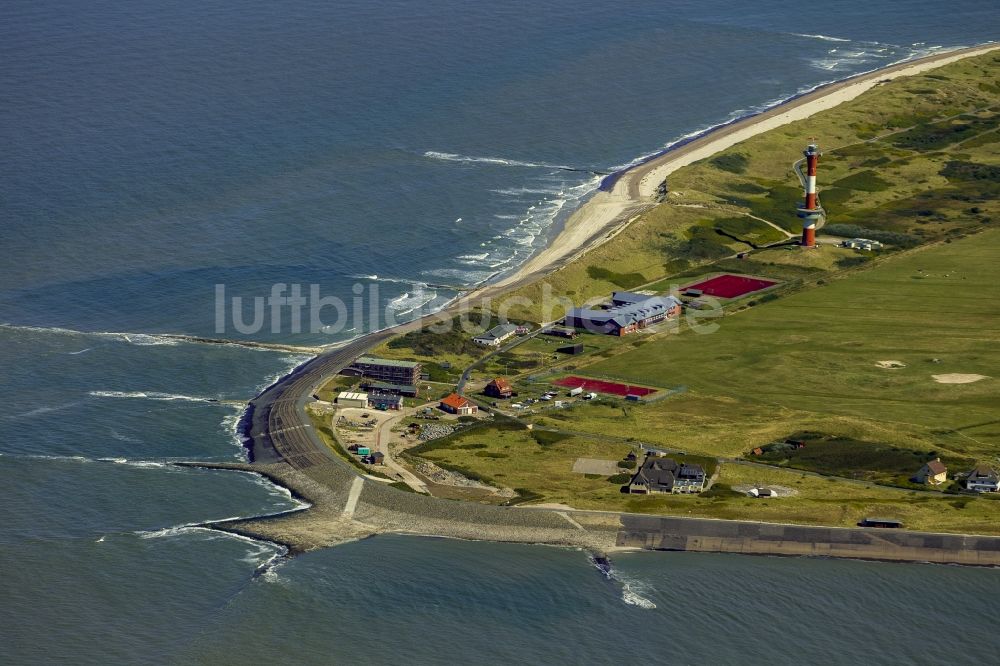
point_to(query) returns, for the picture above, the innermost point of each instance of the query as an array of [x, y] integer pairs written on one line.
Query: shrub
[[619, 479], [849, 262], [623, 280], [966, 171], [731, 162], [547, 437], [866, 181], [626, 464]]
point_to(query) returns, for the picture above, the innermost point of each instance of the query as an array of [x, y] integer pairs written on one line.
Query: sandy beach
[[608, 212]]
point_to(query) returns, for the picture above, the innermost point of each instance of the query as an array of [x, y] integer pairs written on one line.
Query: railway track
[[275, 425]]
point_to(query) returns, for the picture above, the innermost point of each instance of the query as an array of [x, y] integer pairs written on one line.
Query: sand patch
[[595, 466], [777, 491], [957, 378], [891, 365]]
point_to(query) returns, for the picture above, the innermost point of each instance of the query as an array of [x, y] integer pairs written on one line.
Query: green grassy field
[[812, 356]]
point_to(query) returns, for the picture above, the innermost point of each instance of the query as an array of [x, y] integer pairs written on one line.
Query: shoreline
[[631, 188], [282, 445]]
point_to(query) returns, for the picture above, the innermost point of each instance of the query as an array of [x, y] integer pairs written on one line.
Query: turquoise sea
[[151, 151]]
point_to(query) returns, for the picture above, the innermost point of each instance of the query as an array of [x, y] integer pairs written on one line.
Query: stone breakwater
[[334, 517]]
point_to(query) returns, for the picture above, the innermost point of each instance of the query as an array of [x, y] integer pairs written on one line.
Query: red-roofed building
[[456, 404], [499, 388]]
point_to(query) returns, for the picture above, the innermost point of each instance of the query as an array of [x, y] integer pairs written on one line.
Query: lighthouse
[[810, 212]]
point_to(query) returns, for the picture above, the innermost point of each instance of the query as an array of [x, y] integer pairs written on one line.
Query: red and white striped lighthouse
[[810, 212]]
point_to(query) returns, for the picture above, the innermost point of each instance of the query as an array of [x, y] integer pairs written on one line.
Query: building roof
[[627, 297], [656, 473], [386, 386], [983, 471], [624, 315], [455, 401], [371, 360], [497, 332], [691, 472], [936, 467], [502, 384], [347, 395]]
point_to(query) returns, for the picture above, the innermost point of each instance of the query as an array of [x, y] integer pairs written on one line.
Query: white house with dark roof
[[496, 335], [982, 479]]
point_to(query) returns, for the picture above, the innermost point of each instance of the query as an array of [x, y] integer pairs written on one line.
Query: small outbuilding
[[560, 332], [572, 350], [933, 473], [385, 401], [499, 388], [456, 404], [348, 399]]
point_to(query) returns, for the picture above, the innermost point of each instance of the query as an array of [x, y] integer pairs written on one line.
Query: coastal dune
[[607, 212]]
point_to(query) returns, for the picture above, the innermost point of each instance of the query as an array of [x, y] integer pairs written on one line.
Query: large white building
[[348, 399]]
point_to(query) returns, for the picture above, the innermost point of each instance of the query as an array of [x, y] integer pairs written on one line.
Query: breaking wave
[[825, 38], [453, 157], [412, 300], [141, 339], [156, 395]]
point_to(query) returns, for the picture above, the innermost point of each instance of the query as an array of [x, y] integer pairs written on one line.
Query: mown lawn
[[811, 358]]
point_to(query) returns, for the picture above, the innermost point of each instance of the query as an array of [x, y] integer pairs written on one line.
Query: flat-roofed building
[[385, 370], [349, 399], [408, 390], [385, 401]]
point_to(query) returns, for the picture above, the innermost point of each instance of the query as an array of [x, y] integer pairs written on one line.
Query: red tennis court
[[731, 286], [599, 386]]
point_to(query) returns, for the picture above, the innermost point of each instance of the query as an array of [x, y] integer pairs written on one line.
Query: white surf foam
[[44, 409], [521, 191], [454, 157], [633, 590], [141, 464], [156, 395], [825, 38], [54, 458], [632, 598], [411, 301]]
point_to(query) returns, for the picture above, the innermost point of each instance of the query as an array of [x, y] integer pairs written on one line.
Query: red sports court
[[731, 286], [600, 386]]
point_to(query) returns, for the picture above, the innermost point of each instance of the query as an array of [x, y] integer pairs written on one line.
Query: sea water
[[152, 151]]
